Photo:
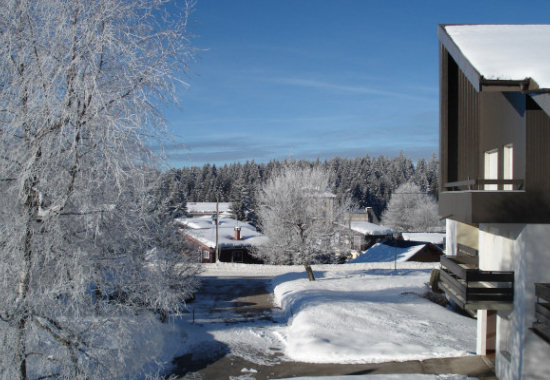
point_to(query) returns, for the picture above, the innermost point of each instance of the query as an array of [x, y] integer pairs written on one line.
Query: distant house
[[495, 188], [208, 208], [366, 234], [400, 250], [364, 215], [235, 239]]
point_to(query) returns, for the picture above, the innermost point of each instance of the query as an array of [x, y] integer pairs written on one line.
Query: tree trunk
[[309, 271], [21, 350]]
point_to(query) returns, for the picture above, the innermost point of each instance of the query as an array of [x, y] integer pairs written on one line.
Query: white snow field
[[399, 376], [355, 313], [368, 316]]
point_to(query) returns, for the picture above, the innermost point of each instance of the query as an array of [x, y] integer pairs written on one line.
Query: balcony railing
[[480, 184], [477, 201], [474, 289], [542, 311]]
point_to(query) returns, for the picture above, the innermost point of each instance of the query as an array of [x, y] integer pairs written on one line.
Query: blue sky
[[318, 79]]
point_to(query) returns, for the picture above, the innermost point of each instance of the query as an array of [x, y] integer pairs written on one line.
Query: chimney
[[237, 233], [370, 213]]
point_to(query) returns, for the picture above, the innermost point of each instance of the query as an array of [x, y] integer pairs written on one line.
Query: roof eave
[[463, 63], [492, 85], [477, 80]]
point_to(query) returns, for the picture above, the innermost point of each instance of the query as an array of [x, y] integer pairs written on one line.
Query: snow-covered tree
[[411, 210], [82, 248], [171, 201], [297, 212]]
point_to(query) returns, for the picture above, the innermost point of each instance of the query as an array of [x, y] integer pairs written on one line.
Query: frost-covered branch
[[82, 82], [411, 210], [297, 212]]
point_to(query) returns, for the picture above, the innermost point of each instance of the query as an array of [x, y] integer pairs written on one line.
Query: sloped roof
[[425, 237], [384, 253], [203, 229], [370, 229], [500, 52]]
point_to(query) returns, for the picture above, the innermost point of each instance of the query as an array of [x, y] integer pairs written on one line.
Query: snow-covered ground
[[355, 313], [399, 376], [368, 316], [255, 270]]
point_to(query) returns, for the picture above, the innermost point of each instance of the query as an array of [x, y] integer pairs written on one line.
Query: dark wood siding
[[459, 123], [537, 171], [448, 117], [468, 130], [443, 117]]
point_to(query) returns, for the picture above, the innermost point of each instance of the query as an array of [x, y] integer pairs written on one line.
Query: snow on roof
[[425, 237], [385, 253], [207, 207], [203, 229], [370, 229], [198, 222], [506, 52], [209, 221]]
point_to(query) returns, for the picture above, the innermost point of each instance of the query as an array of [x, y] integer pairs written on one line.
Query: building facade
[[495, 188]]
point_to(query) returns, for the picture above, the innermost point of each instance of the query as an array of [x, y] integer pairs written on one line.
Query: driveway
[[238, 317]]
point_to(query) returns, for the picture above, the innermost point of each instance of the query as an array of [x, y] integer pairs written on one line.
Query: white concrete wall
[[450, 237], [525, 249]]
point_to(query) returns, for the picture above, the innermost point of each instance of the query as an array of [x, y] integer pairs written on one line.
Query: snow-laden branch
[[82, 86]]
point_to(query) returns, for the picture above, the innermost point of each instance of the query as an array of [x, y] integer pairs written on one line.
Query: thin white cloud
[[345, 88]]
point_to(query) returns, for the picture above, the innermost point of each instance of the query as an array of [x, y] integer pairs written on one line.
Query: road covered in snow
[[355, 313]]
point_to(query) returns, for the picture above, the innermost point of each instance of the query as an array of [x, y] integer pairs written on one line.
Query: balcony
[[475, 289], [542, 311], [493, 201]]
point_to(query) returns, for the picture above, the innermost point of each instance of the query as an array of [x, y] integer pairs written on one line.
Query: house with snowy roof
[[235, 239], [399, 251], [366, 234], [495, 188]]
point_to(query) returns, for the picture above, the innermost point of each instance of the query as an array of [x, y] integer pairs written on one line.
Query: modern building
[[495, 188]]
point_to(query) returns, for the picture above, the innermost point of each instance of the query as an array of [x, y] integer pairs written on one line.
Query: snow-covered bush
[[297, 213], [411, 210]]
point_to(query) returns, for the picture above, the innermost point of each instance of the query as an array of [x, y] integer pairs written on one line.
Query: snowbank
[[398, 376], [368, 316]]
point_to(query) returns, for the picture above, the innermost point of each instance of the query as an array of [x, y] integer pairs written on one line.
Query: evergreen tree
[[369, 180]]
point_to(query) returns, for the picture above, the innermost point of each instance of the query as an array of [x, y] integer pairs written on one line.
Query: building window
[[491, 168], [508, 165], [206, 255]]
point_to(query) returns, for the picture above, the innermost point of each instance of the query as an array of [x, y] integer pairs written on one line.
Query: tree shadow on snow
[[202, 355]]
